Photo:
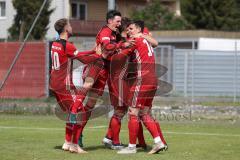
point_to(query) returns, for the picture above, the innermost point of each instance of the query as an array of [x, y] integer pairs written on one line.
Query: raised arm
[[85, 57]]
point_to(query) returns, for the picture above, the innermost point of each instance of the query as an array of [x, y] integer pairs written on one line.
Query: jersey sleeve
[[105, 41], [105, 37], [71, 50], [85, 57]]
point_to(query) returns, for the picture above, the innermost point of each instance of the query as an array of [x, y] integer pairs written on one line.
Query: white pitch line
[[96, 127], [30, 128], [35, 128], [204, 134], [100, 127]]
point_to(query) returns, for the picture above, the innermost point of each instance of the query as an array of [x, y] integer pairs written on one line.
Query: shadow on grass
[[92, 148], [89, 148], [58, 147]]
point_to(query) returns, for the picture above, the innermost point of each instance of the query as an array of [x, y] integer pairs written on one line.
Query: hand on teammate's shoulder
[[128, 44]]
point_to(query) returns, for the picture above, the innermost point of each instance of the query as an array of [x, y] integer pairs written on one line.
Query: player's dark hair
[[60, 24], [124, 24], [111, 14], [138, 23]]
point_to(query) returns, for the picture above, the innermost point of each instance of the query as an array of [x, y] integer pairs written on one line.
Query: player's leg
[[133, 127], [92, 98], [94, 77], [141, 139], [159, 128], [151, 126], [64, 100], [148, 103], [77, 117], [75, 148], [111, 140], [78, 125], [115, 124]]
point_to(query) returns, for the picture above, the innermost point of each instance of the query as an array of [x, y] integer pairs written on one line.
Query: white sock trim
[[132, 145], [157, 139], [67, 142], [107, 140]]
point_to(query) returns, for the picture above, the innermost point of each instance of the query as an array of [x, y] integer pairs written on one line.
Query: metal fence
[[198, 75]]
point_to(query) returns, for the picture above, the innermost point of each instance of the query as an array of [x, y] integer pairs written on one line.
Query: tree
[[212, 14], [27, 11], [158, 17]]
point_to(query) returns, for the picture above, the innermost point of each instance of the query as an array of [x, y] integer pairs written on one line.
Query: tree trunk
[[21, 34]]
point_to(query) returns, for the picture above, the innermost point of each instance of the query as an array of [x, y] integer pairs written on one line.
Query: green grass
[[221, 104], [41, 137]]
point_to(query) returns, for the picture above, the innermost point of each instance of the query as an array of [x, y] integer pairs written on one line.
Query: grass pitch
[[41, 137]]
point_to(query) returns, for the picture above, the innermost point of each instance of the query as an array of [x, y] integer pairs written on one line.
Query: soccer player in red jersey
[[69, 98], [148, 36], [107, 39], [116, 86], [121, 83], [143, 91]]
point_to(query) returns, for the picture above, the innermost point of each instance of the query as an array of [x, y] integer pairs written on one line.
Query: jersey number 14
[[150, 49]]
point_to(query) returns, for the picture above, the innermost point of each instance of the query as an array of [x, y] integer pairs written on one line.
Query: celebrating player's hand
[[129, 43], [98, 50]]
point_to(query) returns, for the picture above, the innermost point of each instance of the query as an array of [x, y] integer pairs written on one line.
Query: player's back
[[61, 64]]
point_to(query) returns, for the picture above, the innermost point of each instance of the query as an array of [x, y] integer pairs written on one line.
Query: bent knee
[[88, 83], [133, 111]]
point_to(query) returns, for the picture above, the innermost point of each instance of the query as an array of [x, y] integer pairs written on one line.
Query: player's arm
[[85, 57], [109, 46], [148, 37]]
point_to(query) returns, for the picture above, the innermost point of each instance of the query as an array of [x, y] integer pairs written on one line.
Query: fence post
[[235, 74], [47, 69], [186, 74], [193, 57]]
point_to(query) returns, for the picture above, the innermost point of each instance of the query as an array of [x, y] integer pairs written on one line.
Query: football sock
[[109, 132], [68, 132], [80, 140], [77, 131], [140, 136], [115, 126], [149, 123], [160, 132], [133, 127]]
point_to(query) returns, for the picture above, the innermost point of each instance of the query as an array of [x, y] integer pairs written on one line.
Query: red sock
[[140, 137], [84, 115], [68, 132], [109, 131], [149, 122], [77, 131], [160, 132], [133, 127], [115, 126]]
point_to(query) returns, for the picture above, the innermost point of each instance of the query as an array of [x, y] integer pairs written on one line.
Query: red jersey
[[62, 55], [145, 85], [105, 36], [108, 40], [145, 59], [146, 31]]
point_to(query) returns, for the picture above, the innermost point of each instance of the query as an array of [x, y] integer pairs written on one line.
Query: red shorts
[[141, 94], [118, 91], [66, 98], [100, 77]]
